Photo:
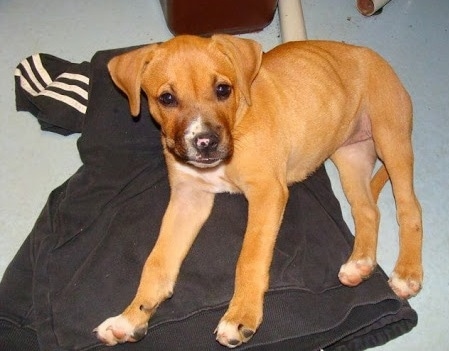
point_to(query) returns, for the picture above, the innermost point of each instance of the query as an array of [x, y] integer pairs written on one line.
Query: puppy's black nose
[[206, 142]]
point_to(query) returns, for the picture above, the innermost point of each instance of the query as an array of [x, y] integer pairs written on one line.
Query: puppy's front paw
[[118, 330], [232, 334], [353, 272], [240, 322]]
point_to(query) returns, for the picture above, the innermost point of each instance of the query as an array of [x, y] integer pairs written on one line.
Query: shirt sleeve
[[55, 91]]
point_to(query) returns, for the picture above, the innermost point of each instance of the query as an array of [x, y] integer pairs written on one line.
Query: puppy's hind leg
[[355, 163], [391, 114], [396, 152]]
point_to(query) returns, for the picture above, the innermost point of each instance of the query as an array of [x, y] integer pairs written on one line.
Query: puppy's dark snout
[[206, 141]]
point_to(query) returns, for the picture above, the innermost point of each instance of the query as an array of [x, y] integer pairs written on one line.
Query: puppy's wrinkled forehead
[[182, 65]]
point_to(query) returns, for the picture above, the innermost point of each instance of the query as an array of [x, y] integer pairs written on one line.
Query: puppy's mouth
[[201, 161]]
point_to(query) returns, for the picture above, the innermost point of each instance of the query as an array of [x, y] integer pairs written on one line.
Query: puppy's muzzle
[[206, 142], [208, 150]]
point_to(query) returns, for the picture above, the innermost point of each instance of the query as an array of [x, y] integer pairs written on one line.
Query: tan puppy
[[236, 120]]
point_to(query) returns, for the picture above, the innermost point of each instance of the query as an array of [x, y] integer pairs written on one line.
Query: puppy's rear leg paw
[[353, 272], [118, 330], [231, 334], [405, 287]]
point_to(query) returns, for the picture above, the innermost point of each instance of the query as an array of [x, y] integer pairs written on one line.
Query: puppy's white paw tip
[[353, 273], [118, 329], [232, 335], [404, 288]]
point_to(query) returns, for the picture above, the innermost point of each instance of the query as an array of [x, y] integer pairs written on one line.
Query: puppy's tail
[[378, 182]]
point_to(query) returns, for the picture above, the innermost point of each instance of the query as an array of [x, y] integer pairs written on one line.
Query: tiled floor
[[412, 35]]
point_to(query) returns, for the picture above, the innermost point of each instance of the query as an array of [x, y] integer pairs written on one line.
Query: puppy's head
[[195, 87]]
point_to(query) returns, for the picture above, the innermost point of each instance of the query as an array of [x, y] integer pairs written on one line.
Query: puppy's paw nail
[[246, 333], [234, 342]]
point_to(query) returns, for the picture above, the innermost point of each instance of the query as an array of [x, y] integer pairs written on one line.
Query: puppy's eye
[[168, 100], [223, 91]]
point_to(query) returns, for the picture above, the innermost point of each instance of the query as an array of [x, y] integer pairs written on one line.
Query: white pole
[[291, 20]]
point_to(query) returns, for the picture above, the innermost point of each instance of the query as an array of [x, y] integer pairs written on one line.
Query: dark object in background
[[371, 7], [204, 17]]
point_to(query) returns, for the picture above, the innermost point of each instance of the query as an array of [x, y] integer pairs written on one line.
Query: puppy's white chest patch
[[213, 180]]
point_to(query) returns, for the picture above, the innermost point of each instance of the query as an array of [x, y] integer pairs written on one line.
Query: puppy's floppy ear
[[245, 55], [126, 72]]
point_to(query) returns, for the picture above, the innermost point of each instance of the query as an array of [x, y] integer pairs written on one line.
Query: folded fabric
[[81, 263]]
